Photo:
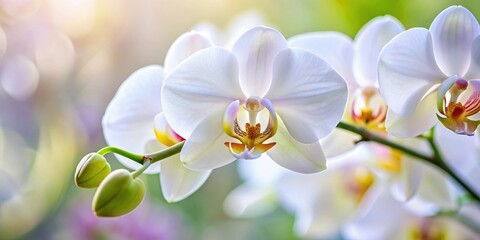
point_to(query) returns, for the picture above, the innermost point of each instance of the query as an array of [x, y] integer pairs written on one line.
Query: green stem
[[167, 152], [435, 160], [369, 136], [440, 162], [135, 157], [139, 171], [465, 220]]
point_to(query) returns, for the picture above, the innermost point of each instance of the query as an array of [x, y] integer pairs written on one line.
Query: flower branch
[[436, 159]]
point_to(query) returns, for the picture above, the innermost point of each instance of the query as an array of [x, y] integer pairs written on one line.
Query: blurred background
[[61, 62]]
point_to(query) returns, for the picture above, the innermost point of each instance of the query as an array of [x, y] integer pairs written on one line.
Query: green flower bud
[[118, 194], [91, 170]]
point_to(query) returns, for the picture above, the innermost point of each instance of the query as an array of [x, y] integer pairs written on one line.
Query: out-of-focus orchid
[[134, 121], [431, 75], [327, 202], [399, 221], [257, 196], [235, 28], [356, 62], [261, 96], [460, 153]]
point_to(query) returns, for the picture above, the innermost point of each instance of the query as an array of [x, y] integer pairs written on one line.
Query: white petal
[[366, 226], [206, 155], [203, 84], [335, 48], [368, 43], [436, 188], [212, 32], [415, 124], [460, 153], [256, 51], [410, 178], [129, 119], [242, 23], [307, 94], [296, 156], [453, 31], [183, 47], [261, 170], [474, 68], [407, 70], [179, 182], [338, 142], [250, 200]]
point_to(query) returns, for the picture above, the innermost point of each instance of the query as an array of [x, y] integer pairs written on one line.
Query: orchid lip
[[251, 137], [368, 109], [453, 112]]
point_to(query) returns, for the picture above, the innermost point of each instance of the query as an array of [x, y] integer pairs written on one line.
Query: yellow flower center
[[359, 182], [251, 137], [392, 163], [368, 109]]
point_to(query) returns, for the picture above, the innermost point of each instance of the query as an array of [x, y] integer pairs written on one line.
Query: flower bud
[[118, 194], [91, 170]]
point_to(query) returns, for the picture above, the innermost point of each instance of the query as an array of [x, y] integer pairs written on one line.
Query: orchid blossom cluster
[[393, 114]]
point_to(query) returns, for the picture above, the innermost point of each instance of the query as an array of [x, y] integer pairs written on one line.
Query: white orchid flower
[[134, 121], [390, 219], [431, 75], [225, 103], [234, 28], [325, 203], [356, 62]]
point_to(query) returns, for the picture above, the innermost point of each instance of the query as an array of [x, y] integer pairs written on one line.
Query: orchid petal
[[261, 170], [179, 182], [206, 155], [368, 43], [308, 94], [413, 125], [212, 32], [460, 153], [256, 51], [204, 84], [407, 70], [436, 188], [250, 200], [335, 48], [164, 132], [338, 142], [410, 178], [128, 122], [183, 47], [453, 32], [296, 156], [366, 226], [474, 68]]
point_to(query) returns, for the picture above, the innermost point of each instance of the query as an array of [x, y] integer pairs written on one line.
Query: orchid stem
[[167, 152], [135, 157], [436, 159], [143, 159], [142, 169], [440, 162]]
